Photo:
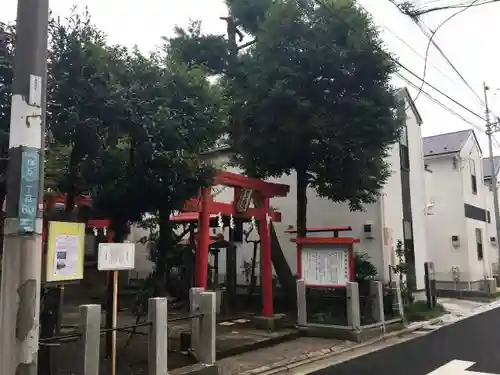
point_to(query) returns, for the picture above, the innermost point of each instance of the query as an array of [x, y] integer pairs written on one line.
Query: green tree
[[310, 94], [7, 34], [320, 102], [82, 97]]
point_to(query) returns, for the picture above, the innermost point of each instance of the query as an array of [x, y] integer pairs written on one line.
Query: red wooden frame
[[205, 206], [326, 242]]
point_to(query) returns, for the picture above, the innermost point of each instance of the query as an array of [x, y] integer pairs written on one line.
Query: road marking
[[457, 367]]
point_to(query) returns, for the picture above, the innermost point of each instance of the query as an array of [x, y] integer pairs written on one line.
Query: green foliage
[[249, 15], [318, 99], [419, 311], [401, 271], [365, 270], [7, 39], [196, 49]]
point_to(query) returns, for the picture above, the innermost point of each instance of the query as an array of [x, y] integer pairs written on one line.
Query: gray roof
[[447, 143], [487, 166]]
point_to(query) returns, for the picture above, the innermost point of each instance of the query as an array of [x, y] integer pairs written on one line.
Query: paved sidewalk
[[309, 348], [263, 360]]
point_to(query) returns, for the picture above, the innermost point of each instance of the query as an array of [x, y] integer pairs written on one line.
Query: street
[[468, 347]]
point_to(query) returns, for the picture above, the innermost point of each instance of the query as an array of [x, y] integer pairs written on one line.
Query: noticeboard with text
[[65, 251], [325, 267]]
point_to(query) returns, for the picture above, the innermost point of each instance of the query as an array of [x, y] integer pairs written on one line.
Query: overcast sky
[[469, 41]]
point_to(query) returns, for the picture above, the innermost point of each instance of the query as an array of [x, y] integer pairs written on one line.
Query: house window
[[404, 136], [473, 178], [479, 244], [403, 148], [488, 217]]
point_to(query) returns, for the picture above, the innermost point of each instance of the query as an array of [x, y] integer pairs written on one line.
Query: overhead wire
[[441, 104], [417, 53], [454, 6], [427, 50], [320, 3], [421, 79]]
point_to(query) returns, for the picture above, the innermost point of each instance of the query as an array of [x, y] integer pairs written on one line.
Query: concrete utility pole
[[22, 255], [490, 129]]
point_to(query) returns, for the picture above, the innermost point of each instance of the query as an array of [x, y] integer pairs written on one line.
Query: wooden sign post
[[115, 257]]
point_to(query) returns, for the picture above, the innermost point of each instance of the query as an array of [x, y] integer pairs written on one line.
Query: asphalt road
[[475, 339]]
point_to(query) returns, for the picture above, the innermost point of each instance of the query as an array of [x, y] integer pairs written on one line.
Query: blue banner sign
[[29, 189]]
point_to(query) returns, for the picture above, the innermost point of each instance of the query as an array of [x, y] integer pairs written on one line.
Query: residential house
[[459, 223]]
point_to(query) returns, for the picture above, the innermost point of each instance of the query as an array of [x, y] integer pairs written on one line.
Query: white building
[[487, 181], [459, 223], [398, 214]]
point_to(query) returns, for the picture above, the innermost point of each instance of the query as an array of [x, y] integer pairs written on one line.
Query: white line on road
[[457, 367]]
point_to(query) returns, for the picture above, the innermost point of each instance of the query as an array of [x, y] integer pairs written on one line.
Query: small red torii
[[205, 206]]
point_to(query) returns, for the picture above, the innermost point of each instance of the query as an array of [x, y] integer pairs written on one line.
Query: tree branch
[[247, 44]]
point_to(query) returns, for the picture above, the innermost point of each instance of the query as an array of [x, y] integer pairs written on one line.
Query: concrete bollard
[[90, 330], [206, 349], [377, 296], [194, 308], [158, 336], [301, 303], [353, 313]]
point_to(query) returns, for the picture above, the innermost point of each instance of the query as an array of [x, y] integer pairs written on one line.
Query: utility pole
[[490, 129], [22, 255]]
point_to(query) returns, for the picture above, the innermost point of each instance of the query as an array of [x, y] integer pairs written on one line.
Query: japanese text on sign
[[29, 189]]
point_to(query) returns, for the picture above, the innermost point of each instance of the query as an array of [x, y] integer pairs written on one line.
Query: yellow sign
[[65, 251]]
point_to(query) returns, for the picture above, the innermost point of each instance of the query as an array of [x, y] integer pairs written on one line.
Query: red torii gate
[[246, 187]]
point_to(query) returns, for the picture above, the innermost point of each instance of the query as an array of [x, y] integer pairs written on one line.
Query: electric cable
[[430, 37], [333, 13]]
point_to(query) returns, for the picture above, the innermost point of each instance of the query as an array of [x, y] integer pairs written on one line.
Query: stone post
[[301, 303], [194, 308], [158, 336], [206, 349], [353, 313], [90, 330], [377, 296]]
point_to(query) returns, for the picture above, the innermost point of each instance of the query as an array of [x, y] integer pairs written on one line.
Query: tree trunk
[[164, 245], [73, 174], [301, 202]]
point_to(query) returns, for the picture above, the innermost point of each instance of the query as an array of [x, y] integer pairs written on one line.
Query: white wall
[[451, 188], [493, 249], [418, 197], [447, 219], [391, 209], [479, 269]]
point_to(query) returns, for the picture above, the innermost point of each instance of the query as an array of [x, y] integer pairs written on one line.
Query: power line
[[431, 41], [441, 104], [333, 13], [417, 53], [417, 13]]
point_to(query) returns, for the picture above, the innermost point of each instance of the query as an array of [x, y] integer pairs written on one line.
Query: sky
[[468, 40]]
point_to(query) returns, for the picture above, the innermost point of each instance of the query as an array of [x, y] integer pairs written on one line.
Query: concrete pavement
[[468, 347]]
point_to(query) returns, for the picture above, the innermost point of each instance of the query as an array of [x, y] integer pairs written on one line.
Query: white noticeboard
[[116, 256], [325, 267]]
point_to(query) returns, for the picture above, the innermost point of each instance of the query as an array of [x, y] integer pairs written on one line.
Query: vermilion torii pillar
[[244, 188]]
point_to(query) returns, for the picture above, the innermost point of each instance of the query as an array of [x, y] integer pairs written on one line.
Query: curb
[[312, 357]]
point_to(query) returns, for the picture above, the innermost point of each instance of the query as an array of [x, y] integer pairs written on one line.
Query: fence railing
[[89, 332]]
